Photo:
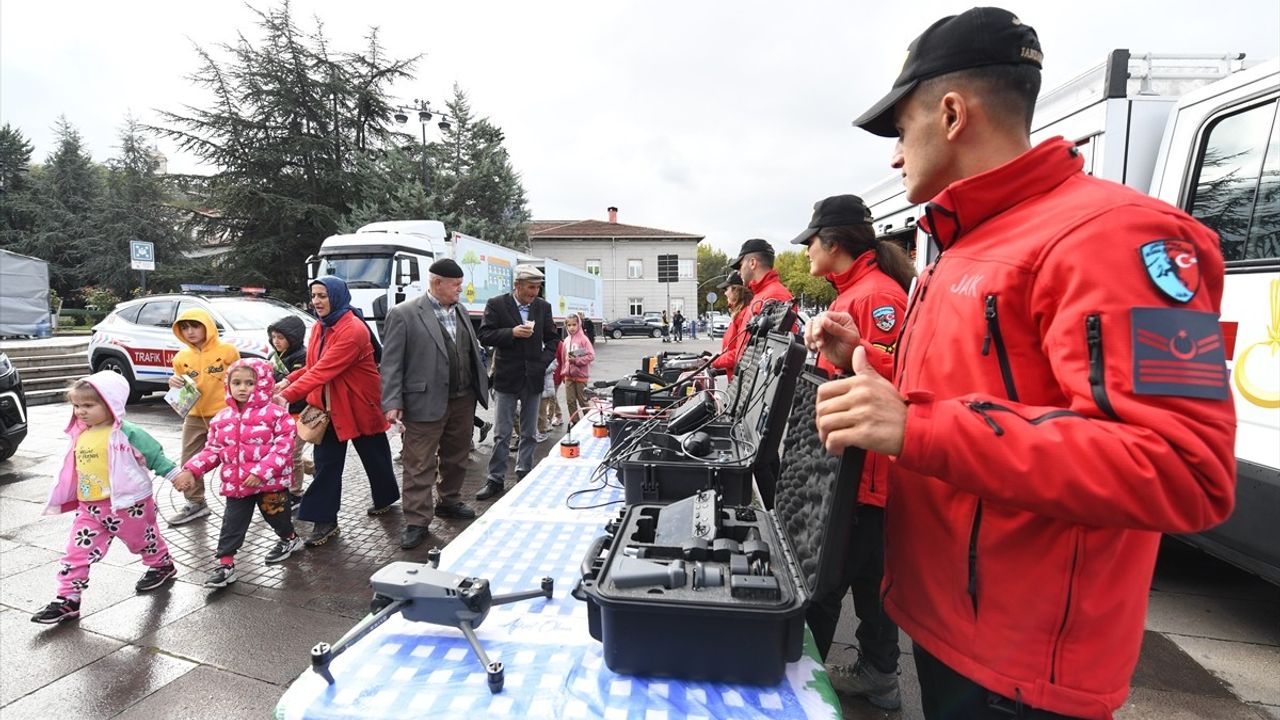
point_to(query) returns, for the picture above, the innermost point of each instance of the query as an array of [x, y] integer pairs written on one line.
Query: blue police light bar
[[199, 288]]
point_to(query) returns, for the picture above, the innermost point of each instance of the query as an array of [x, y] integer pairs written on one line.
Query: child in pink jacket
[[106, 479], [252, 439], [575, 355]]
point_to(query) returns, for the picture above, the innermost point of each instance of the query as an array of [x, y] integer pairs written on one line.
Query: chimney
[[613, 215]]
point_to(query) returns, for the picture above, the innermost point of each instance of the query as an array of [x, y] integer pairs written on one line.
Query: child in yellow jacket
[[205, 360]]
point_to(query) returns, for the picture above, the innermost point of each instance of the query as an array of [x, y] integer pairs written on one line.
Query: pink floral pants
[[95, 526]]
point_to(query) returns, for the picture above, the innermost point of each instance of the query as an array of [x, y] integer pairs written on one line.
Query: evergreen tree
[[15, 165], [136, 205], [288, 125], [63, 197], [476, 190]]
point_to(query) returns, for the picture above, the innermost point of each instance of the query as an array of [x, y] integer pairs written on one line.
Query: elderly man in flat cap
[[432, 378], [519, 326]]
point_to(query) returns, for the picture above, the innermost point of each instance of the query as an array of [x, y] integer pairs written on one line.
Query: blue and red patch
[[1173, 266], [1178, 352], [885, 317]]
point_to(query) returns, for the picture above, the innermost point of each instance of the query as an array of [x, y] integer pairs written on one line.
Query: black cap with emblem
[[974, 38], [834, 211]]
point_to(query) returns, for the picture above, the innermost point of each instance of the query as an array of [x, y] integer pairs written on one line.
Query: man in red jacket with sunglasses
[[1059, 398]]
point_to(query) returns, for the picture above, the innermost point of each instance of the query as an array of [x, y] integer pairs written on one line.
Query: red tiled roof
[[549, 229]]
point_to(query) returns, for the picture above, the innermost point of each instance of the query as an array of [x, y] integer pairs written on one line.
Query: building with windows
[[626, 257]]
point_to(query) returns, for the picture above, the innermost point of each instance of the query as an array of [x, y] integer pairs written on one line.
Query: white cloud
[[725, 119]]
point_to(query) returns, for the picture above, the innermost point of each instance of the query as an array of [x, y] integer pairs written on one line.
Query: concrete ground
[[1212, 649]]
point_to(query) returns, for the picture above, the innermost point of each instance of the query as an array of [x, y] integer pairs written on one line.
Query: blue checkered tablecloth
[[554, 668]]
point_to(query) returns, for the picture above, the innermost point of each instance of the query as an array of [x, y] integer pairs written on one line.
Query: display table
[[554, 668]]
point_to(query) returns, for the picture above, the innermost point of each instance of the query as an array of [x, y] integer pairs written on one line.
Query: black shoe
[[412, 536], [490, 490], [484, 430], [155, 577], [222, 576], [457, 510], [59, 610], [521, 474], [374, 510], [321, 534]]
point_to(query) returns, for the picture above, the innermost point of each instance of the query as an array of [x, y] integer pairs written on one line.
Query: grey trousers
[[430, 448], [504, 418]]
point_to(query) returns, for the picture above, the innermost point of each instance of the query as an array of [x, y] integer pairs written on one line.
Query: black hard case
[[765, 385], [708, 634]]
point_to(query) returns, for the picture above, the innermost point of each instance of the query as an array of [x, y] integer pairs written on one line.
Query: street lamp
[[425, 114]]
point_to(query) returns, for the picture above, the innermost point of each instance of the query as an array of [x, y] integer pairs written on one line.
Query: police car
[[136, 339]]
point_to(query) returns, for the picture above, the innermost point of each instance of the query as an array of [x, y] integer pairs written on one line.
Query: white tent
[[24, 295]]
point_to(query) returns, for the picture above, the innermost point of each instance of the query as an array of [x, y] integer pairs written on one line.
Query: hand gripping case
[[701, 590]]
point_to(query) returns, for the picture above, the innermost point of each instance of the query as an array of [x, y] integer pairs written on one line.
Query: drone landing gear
[[430, 595]]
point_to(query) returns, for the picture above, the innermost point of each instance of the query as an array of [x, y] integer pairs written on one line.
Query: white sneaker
[[283, 549], [189, 512]]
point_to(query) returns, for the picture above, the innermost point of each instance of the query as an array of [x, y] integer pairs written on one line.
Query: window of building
[[635, 269], [635, 305], [593, 267], [1237, 177], [677, 305], [686, 268]]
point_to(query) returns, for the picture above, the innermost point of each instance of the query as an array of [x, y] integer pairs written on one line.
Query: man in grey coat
[[432, 378]]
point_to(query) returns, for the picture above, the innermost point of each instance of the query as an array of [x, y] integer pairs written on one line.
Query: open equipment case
[[704, 590], [742, 439]]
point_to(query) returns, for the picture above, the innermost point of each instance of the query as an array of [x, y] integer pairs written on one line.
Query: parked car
[[719, 324], [13, 409], [654, 318], [633, 325], [136, 338]]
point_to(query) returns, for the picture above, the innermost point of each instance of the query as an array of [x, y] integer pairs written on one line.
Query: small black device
[[697, 444]]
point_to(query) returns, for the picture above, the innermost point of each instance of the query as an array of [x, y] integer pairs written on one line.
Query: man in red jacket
[[1060, 396], [755, 264]]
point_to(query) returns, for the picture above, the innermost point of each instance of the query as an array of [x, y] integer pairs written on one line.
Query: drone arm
[[545, 591], [324, 653]]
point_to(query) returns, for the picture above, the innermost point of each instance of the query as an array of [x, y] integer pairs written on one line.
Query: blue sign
[[142, 255]]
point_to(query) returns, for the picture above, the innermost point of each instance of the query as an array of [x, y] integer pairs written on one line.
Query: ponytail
[[857, 239]]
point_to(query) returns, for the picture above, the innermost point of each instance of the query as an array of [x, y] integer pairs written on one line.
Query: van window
[[1237, 188]]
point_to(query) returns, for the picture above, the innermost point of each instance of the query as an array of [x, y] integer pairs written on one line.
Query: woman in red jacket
[[871, 278], [738, 297], [340, 359]]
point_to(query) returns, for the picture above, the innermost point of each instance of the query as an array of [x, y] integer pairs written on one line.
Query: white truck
[[385, 263], [1201, 132]]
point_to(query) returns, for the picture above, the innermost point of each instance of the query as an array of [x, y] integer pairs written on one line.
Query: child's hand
[[175, 381], [185, 480], [280, 386], [252, 481]]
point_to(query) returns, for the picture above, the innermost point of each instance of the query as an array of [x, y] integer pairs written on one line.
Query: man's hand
[[393, 416], [184, 481], [834, 335], [522, 331], [175, 381], [863, 411], [252, 481], [280, 386]]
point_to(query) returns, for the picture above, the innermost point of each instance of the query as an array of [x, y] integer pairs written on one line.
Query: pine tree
[[15, 182], [63, 197], [289, 122]]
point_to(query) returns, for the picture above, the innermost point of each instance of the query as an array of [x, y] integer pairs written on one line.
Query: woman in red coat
[[738, 298], [871, 278], [340, 358]]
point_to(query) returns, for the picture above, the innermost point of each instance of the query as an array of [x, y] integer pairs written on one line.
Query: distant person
[[576, 355], [289, 353], [519, 326], [588, 327], [871, 278], [666, 327], [433, 376], [549, 406], [341, 376], [677, 324], [203, 362], [738, 299], [693, 327], [251, 442], [106, 479], [1060, 395]]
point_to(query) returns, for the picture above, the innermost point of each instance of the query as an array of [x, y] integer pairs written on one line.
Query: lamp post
[[425, 114]]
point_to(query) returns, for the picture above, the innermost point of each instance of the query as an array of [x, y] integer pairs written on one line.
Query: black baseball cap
[[733, 278], [754, 245], [834, 211], [974, 38]]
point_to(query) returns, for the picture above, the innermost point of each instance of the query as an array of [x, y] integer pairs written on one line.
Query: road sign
[[668, 268], [711, 298], [142, 255]]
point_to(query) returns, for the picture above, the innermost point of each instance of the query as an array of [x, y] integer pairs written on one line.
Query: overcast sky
[[722, 119]]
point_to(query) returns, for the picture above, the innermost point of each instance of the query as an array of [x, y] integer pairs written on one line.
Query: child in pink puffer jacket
[[252, 438]]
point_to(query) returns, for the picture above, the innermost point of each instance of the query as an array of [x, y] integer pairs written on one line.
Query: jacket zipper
[[983, 408], [907, 329], [1097, 368], [1002, 354], [973, 556], [1066, 610]]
